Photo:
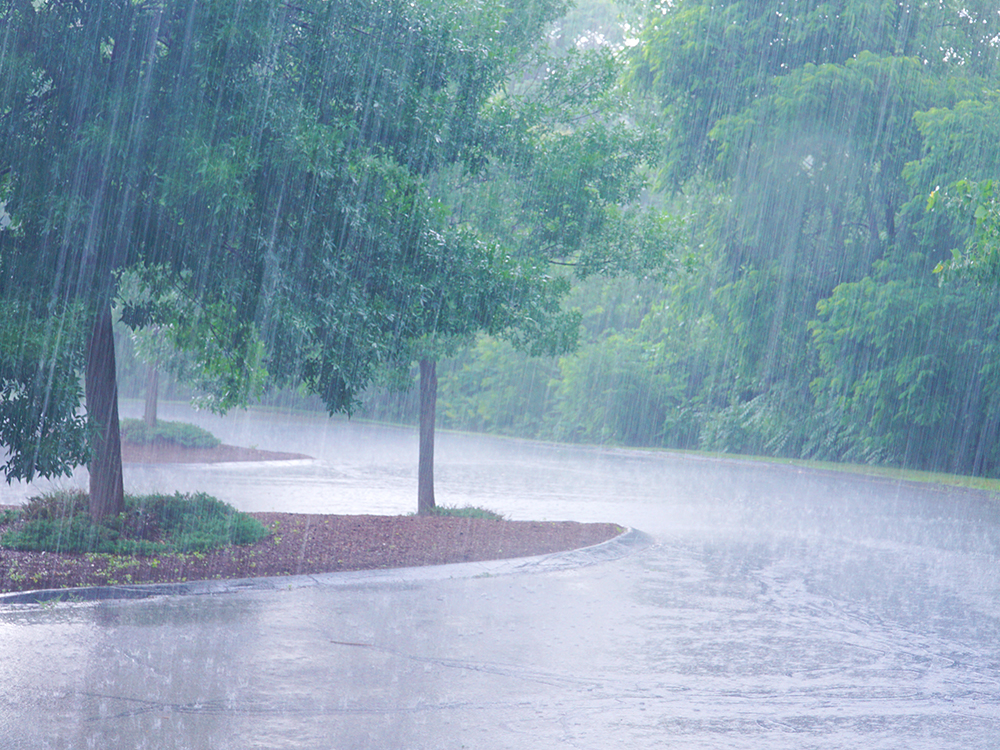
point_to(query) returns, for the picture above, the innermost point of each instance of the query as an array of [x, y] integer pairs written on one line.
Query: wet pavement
[[773, 608]]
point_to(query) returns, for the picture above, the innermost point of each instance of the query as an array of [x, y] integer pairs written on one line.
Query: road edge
[[623, 545]]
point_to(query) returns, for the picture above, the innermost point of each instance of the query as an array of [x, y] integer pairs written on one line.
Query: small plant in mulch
[[151, 525], [468, 511], [136, 431]]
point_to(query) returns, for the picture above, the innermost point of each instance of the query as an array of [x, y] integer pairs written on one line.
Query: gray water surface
[[777, 608]]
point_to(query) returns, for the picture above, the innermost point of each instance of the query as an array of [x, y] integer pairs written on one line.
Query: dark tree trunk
[[428, 411], [107, 494], [152, 393]]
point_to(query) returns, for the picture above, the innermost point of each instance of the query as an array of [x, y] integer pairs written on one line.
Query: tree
[[706, 62], [123, 126], [70, 157], [187, 338], [953, 185], [796, 124], [908, 372], [283, 215], [40, 358], [558, 187], [804, 140], [975, 208], [283, 189]]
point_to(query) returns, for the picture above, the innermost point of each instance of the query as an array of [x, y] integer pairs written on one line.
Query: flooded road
[[776, 608]]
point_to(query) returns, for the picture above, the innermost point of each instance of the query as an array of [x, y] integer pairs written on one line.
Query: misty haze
[[723, 275]]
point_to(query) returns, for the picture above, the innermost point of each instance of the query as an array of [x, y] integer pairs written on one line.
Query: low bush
[[177, 433], [468, 511], [150, 525]]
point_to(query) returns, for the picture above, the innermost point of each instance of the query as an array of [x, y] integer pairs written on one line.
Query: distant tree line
[[836, 296]]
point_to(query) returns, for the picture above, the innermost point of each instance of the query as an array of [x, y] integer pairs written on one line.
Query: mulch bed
[[311, 543], [302, 543]]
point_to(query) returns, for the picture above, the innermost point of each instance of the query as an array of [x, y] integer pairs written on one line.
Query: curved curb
[[623, 545]]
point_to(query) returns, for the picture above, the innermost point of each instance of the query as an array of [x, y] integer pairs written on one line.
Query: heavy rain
[[725, 274]]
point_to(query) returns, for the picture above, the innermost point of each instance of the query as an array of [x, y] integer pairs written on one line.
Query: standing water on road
[[777, 607]]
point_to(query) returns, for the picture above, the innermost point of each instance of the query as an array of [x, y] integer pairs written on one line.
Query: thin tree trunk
[[107, 494], [152, 393], [428, 412]]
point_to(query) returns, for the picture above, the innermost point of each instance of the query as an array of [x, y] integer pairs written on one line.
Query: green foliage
[[953, 205], [278, 220], [777, 422], [567, 171], [61, 504], [981, 259], [707, 61], [335, 188], [384, 272], [616, 390], [492, 387], [176, 433], [909, 367], [206, 344], [805, 320], [150, 525], [467, 511], [804, 142], [41, 360], [958, 142]]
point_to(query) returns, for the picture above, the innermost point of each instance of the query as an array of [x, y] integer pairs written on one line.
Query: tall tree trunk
[[107, 494], [428, 413], [152, 393]]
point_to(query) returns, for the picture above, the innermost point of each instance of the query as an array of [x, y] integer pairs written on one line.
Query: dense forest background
[[832, 292]]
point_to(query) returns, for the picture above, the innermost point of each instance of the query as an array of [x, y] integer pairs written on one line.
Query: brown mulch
[[305, 543]]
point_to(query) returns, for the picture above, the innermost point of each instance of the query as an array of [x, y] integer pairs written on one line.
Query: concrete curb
[[623, 545]]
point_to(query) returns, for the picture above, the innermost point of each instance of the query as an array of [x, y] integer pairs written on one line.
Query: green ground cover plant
[[151, 525], [177, 433], [467, 511]]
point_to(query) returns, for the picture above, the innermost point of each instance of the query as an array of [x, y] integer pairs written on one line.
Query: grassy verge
[[881, 472]]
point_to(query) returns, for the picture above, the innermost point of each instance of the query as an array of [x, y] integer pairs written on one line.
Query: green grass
[[893, 473], [151, 525], [178, 433], [899, 474], [466, 512]]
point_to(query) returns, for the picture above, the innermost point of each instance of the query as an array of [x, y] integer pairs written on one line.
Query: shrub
[[57, 504], [151, 524], [198, 522], [176, 433], [468, 511]]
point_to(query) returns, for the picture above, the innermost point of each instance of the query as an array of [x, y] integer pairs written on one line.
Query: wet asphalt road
[[774, 608]]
